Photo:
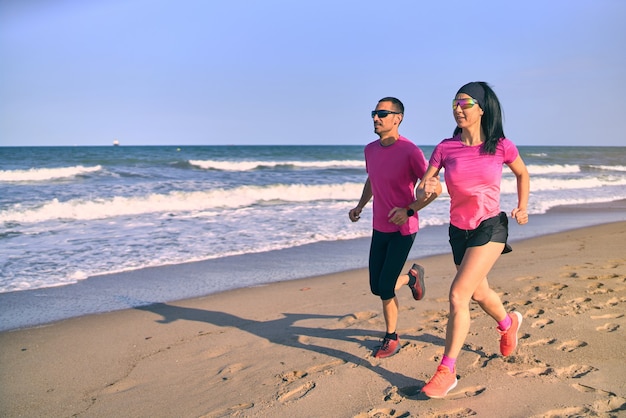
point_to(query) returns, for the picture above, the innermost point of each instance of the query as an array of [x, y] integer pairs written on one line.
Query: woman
[[473, 160]]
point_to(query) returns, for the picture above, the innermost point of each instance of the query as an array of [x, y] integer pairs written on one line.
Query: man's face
[[384, 125]]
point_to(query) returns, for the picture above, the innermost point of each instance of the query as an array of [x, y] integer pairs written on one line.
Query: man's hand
[[398, 216], [355, 214]]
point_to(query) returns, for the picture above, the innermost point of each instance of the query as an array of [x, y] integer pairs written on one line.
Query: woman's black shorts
[[494, 229]]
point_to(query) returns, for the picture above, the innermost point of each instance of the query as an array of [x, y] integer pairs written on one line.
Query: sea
[[78, 214]]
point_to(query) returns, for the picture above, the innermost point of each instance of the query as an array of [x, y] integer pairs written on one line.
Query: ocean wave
[[256, 165], [509, 185], [553, 169], [608, 167], [179, 202], [542, 206], [216, 200], [45, 174]]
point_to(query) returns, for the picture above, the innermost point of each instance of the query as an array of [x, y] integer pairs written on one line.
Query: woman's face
[[466, 111]]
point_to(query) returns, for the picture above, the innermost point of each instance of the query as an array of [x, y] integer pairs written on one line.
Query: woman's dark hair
[[491, 122]]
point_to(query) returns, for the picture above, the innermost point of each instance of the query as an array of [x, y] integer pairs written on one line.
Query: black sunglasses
[[383, 113]]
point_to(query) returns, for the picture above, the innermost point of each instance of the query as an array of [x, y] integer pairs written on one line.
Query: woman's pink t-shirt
[[472, 178], [393, 172]]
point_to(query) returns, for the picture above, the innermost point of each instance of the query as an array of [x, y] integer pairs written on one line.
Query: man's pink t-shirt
[[472, 178], [393, 172]]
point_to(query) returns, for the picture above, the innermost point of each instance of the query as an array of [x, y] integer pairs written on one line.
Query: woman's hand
[[520, 215], [432, 185]]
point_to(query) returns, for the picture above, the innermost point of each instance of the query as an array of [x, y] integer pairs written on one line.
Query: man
[[394, 166]]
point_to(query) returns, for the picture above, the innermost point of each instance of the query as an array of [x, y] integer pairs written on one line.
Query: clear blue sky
[[186, 72]]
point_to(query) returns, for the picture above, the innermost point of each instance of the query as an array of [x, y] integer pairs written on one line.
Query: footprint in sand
[[571, 345], [296, 392], [534, 372], [574, 411], [413, 347], [575, 371], [228, 412], [526, 278], [589, 389], [392, 395], [456, 413], [608, 316], [351, 319], [543, 341], [579, 300], [292, 376], [383, 413], [120, 386], [466, 393], [227, 371], [325, 368], [598, 289], [534, 313], [608, 327], [541, 323], [609, 405]]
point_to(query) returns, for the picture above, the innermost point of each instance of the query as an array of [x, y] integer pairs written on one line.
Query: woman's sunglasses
[[464, 103], [383, 113]]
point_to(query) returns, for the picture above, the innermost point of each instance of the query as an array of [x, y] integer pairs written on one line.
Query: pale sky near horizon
[[192, 72]]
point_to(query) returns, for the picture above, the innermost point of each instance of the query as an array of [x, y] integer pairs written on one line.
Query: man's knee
[[386, 295]]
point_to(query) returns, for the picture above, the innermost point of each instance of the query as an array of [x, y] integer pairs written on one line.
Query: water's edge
[[181, 281]]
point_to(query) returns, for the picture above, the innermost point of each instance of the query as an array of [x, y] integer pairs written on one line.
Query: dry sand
[[304, 348]]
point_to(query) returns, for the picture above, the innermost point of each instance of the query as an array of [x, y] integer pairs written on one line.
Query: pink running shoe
[[388, 348], [442, 382], [508, 339]]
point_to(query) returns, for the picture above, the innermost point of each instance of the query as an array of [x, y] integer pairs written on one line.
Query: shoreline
[[128, 290], [304, 347]]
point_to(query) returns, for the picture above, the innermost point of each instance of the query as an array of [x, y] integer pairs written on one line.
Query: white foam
[[243, 196], [44, 174], [254, 165]]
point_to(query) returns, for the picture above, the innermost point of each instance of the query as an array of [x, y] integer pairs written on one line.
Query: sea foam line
[[44, 174], [255, 165], [242, 196], [177, 202]]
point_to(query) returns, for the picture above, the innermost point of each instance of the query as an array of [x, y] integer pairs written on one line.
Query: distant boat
[[116, 143]]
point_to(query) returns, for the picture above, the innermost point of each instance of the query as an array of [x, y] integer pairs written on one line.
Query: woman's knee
[[458, 300]]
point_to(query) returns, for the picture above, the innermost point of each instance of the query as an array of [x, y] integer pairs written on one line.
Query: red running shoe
[[417, 272], [388, 348]]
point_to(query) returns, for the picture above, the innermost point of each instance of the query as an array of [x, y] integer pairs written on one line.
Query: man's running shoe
[[388, 348], [442, 382], [416, 273]]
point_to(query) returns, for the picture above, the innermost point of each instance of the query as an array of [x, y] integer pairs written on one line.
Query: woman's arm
[[523, 190], [427, 190]]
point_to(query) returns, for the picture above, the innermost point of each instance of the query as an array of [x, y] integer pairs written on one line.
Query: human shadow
[[285, 331]]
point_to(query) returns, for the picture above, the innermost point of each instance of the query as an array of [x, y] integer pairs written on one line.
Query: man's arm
[[366, 195]]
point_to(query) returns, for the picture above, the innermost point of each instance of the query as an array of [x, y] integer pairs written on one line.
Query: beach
[[304, 347]]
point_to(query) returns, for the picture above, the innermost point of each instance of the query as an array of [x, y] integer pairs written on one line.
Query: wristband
[[409, 212]]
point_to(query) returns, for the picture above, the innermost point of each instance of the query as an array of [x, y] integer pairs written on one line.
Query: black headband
[[475, 91]]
